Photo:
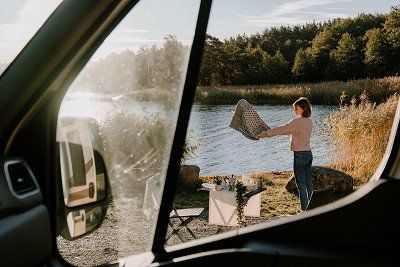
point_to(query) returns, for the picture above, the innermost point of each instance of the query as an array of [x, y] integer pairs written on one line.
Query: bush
[[135, 148]]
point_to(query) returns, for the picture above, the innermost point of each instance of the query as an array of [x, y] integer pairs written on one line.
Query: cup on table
[[257, 183], [251, 187], [232, 182]]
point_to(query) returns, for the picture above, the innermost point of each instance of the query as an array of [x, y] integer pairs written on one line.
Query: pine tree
[[376, 53], [346, 59]]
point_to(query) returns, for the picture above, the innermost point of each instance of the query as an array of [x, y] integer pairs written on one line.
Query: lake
[[225, 151]]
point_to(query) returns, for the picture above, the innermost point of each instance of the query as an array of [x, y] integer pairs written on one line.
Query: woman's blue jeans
[[302, 173]]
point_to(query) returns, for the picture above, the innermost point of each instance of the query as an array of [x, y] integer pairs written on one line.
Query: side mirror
[[84, 177], [83, 221]]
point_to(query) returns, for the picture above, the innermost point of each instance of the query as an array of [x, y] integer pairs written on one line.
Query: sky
[[151, 20], [232, 17]]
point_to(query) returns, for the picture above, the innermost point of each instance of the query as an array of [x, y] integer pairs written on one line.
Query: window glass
[[124, 105], [19, 21], [341, 55]]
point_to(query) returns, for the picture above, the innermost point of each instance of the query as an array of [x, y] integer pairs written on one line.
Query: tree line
[[367, 45], [150, 67]]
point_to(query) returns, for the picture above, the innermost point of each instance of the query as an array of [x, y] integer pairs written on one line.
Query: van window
[[124, 105], [267, 57]]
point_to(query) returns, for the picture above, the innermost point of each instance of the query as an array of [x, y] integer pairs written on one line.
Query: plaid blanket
[[246, 120]]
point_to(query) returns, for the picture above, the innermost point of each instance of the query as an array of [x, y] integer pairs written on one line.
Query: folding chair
[[185, 216], [321, 197]]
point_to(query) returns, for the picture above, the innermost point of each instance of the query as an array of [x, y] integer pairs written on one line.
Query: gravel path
[[126, 231]]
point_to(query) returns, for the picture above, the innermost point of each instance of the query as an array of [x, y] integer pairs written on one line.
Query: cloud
[[297, 12], [291, 7], [219, 21]]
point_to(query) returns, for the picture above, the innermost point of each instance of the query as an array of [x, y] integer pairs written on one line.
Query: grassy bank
[[325, 93]]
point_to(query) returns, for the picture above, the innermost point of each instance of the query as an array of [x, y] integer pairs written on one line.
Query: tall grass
[[360, 133], [325, 93]]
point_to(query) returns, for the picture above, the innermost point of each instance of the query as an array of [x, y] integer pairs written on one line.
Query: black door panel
[[25, 238]]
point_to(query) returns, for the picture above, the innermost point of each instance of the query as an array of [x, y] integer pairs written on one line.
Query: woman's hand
[[262, 135], [264, 128]]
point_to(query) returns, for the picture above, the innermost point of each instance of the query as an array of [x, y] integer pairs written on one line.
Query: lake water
[[224, 150]]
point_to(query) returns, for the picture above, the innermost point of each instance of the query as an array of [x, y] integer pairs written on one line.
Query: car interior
[[36, 207]]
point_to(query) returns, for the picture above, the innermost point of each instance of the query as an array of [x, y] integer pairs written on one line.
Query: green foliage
[[346, 59], [190, 148], [252, 67], [278, 68], [392, 31], [170, 64], [128, 72], [367, 45], [217, 180], [212, 63], [241, 202], [303, 66], [340, 49], [358, 25], [392, 27], [376, 53]]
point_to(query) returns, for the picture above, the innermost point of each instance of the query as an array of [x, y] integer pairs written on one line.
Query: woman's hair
[[305, 105]]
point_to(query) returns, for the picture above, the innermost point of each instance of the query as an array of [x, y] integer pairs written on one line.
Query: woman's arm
[[286, 129]]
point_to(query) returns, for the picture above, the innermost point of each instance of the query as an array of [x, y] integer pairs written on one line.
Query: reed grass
[[360, 133], [324, 93]]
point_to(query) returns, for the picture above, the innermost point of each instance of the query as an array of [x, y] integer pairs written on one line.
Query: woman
[[299, 130]]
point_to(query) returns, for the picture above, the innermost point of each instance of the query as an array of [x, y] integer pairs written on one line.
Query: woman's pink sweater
[[299, 130]]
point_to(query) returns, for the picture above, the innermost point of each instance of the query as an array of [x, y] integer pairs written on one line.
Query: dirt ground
[[126, 231]]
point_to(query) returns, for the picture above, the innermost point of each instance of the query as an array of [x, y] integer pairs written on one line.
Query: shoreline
[[323, 93]]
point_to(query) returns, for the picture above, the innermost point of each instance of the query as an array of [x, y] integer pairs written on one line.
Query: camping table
[[222, 206]]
